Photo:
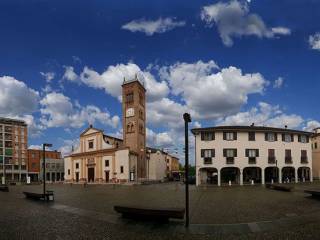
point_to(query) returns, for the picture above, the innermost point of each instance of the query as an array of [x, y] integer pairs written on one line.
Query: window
[[271, 156], [315, 145], [68, 171], [129, 98], [33, 155], [230, 136], [121, 169], [207, 153], [90, 144], [252, 136], [303, 138], [271, 137], [230, 153], [207, 136], [287, 137], [33, 165], [288, 158], [106, 163], [141, 128], [77, 165], [304, 156], [252, 153], [141, 99]]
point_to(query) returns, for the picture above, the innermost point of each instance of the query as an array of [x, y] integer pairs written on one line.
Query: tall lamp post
[[44, 165], [187, 120]]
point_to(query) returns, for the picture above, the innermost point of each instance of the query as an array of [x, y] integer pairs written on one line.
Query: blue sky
[[225, 62]]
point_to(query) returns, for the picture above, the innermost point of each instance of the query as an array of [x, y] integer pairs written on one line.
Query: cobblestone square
[[78, 212]]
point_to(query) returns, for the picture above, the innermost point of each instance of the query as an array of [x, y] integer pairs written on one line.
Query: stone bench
[[279, 187], [48, 196], [314, 193], [4, 188], [155, 214]]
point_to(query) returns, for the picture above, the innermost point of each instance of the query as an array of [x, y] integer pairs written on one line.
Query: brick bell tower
[[134, 121]]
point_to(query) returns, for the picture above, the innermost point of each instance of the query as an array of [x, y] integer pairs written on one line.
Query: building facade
[[54, 165], [316, 154], [102, 158], [246, 155], [13, 150], [156, 164]]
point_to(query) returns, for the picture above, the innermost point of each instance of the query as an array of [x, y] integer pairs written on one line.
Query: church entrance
[[90, 174], [107, 176]]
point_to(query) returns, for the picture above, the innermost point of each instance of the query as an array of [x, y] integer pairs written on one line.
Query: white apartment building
[[251, 154]]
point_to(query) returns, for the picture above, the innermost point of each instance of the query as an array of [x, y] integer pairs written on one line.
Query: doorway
[[90, 174], [77, 176], [107, 176]]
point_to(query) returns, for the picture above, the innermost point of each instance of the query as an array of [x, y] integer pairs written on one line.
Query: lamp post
[[44, 165], [187, 120]]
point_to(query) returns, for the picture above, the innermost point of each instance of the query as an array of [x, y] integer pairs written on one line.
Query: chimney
[[90, 126]]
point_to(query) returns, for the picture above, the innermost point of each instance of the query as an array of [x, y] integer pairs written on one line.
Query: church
[[102, 158]]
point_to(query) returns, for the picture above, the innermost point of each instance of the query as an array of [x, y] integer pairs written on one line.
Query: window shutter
[[202, 153], [247, 152], [308, 139], [213, 136], [235, 153], [202, 136], [224, 136], [257, 152], [266, 136], [292, 137], [299, 138], [224, 152], [213, 153], [276, 136], [235, 137], [283, 137]]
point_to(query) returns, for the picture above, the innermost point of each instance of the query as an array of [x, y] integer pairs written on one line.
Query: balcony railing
[[288, 160], [252, 160], [304, 159], [230, 160], [271, 160], [207, 160]]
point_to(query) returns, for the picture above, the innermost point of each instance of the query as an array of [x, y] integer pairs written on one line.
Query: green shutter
[[8, 152]]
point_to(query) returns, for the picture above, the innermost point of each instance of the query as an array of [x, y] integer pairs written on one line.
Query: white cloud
[[265, 114], [48, 76], [58, 111], [150, 27], [278, 83], [67, 146], [36, 147], [314, 41], [311, 125], [233, 19], [16, 98], [112, 78], [159, 140], [196, 124], [210, 92], [69, 74]]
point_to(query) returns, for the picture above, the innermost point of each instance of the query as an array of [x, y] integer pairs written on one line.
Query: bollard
[[303, 179], [229, 183], [252, 182], [271, 181]]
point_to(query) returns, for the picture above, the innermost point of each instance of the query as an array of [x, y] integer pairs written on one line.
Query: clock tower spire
[[134, 121]]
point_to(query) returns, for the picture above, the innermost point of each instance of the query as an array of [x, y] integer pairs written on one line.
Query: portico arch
[[208, 176], [288, 174], [252, 173], [304, 174], [230, 174], [271, 173]]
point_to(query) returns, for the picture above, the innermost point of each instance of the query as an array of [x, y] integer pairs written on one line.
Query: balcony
[[8, 137], [252, 160], [207, 160], [271, 160], [288, 160], [304, 159], [230, 160], [8, 129]]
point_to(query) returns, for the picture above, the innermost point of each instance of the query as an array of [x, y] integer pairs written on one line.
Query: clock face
[[130, 112]]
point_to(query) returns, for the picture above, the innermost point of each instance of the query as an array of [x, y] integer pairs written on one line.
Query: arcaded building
[[251, 154], [13, 149], [316, 154], [103, 158]]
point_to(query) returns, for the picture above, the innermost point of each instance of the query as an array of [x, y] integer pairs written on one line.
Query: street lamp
[[187, 120], [44, 165]]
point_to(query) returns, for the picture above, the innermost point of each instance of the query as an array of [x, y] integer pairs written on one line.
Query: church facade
[[102, 158]]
